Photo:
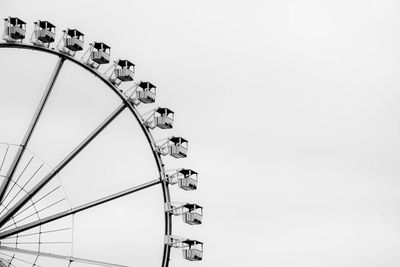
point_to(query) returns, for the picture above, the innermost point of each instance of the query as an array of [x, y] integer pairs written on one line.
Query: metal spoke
[[21, 189], [14, 164], [4, 158], [160, 165], [83, 207], [13, 210], [37, 212], [60, 257], [41, 232], [37, 201], [18, 259], [36, 243]]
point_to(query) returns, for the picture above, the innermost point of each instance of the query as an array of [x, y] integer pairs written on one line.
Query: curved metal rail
[[150, 139]]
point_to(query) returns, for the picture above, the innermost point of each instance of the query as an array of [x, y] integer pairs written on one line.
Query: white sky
[[291, 112]]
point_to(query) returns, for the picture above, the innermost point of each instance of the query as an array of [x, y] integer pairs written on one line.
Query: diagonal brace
[[78, 209], [13, 210], [59, 257], [14, 164]]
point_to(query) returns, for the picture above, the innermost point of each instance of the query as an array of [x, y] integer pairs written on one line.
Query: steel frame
[[160, 165], [59, 257], [31, 128]]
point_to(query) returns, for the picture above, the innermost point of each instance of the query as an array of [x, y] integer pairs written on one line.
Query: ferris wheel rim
[[147, 133]]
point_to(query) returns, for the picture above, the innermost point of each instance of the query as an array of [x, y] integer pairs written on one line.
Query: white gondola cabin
[[74, 40], [124, 70], [146, 92], [14, 29], [194, 250], [44, 33], [187, 179], [71, 42], [192, 214], [177, 147], [100, 53], [163, 118]]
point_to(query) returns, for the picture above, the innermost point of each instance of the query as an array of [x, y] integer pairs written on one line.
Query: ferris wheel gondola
[[120, 71]]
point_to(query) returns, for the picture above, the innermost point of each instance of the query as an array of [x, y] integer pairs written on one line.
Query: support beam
[[14, 164], [14, 209], [78, 209], [160, 165], [59, 257]]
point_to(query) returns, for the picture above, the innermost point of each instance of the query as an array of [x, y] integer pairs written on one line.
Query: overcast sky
[[291, 110]]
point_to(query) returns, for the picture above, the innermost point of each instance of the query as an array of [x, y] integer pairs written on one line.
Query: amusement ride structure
[[23, 217]]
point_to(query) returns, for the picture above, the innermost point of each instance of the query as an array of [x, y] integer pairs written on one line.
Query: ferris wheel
[[32, 195]]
